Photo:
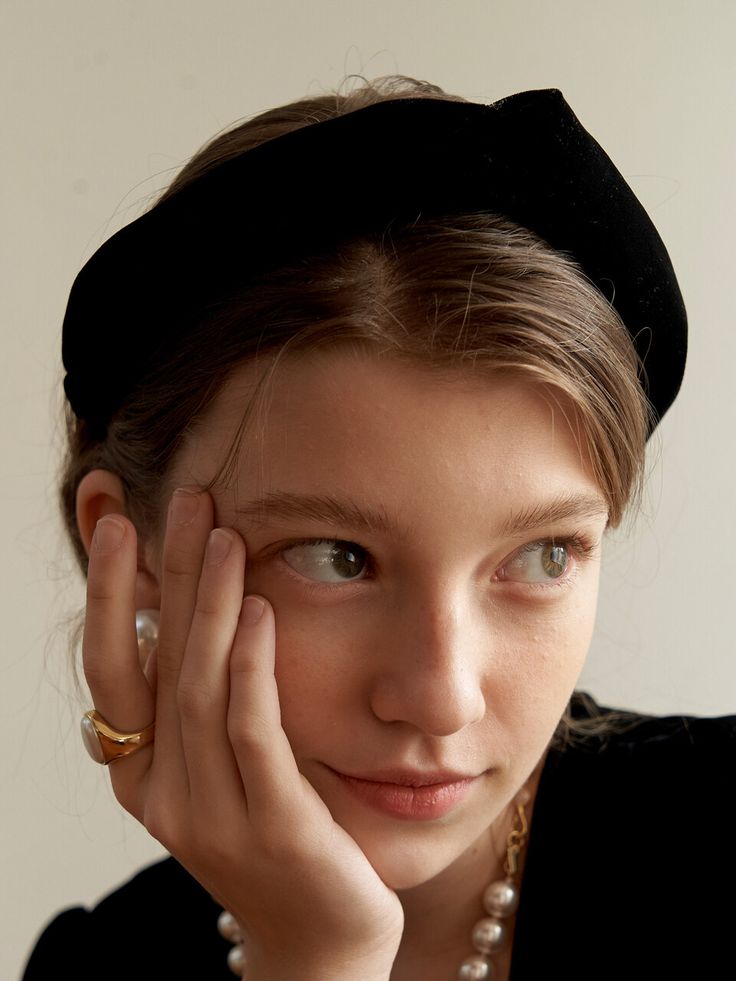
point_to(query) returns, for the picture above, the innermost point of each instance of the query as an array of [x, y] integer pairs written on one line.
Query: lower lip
[[410, 803]]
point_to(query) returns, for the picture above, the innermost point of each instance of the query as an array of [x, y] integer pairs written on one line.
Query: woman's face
[[430, 547]]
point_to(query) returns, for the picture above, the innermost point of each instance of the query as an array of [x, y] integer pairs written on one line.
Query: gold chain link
[[516, 839]]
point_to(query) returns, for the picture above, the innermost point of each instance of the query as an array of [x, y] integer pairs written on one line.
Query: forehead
[[377, 427]]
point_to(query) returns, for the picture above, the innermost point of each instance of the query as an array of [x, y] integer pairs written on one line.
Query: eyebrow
[[314, 507], [560, 508]]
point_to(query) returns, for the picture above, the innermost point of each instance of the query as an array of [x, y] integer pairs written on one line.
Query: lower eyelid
[[317, 586]]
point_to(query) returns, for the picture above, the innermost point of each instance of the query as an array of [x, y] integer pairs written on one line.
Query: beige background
[[102, 101]]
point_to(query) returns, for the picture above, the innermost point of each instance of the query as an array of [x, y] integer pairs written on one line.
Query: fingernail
[[253, 607], [184, 506], [218, 545], [109, 534]]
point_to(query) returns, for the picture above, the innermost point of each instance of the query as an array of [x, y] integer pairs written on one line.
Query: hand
[[219, 787]]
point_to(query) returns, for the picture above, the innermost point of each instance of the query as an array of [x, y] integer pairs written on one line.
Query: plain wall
[[103, 101]]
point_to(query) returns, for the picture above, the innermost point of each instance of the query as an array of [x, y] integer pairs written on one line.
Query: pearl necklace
[[490, 934]]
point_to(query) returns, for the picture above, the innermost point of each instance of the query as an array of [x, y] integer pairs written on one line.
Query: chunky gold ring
[[105, 744]]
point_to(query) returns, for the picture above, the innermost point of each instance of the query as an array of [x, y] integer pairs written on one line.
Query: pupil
[[554, 559], [345, 561]]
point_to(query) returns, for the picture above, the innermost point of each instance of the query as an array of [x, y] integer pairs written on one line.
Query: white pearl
[[501, 898], [92, 740], [236, 961], [488, 935], [146, 628], [229, 927], [476, 968]]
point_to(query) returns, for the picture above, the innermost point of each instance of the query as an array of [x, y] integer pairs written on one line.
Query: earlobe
[[101, 492]]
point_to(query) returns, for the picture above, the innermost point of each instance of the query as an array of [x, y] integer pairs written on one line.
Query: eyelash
[[578, 544], [580, 547]]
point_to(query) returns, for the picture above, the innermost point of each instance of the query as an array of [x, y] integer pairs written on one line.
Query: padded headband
[[526, 157]]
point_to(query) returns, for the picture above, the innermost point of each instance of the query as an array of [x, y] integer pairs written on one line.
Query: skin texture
[[438, 644]]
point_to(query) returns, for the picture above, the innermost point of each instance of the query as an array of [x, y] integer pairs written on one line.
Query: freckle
[[80, 186]]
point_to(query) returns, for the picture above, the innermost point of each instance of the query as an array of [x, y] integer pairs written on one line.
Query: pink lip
[[410, 795]]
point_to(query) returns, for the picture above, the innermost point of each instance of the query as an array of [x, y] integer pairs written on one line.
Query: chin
[[405, 864], [407, 851]]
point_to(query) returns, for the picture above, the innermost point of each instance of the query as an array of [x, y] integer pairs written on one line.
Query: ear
[[101, 492]]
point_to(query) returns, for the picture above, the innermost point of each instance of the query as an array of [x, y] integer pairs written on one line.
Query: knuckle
[[180, 581], [194, 698], [167, 669], [209, 606], [102, 680], [169, 661], [180, 563], [251, 735], [243, 664], [100, 589]]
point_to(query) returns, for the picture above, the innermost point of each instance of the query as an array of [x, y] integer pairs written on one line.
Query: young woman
[[350, 411]]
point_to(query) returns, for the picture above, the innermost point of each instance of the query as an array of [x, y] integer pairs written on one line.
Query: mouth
[[409, 795]]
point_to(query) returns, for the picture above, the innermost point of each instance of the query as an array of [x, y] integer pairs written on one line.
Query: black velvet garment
[[629, 875], [317, 188]]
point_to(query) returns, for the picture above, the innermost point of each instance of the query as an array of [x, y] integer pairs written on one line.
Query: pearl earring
[[146, 628]]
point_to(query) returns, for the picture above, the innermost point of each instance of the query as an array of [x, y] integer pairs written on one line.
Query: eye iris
[[554, 560], [345, 561]]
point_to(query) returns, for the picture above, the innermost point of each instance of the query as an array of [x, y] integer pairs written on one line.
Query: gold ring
[[105, 744]]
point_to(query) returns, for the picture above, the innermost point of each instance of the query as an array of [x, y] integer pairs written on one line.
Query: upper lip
[[404, 777]]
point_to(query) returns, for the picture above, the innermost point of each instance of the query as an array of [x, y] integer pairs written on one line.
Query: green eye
[[326, 560], [554, 560], [537, 562]]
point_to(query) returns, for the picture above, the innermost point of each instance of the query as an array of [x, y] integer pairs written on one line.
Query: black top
[[629, 874]]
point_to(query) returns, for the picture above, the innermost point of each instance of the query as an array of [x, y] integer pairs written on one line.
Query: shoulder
[[630, 836], [161, 918], [677, 766], [703, 743], [653, 794]]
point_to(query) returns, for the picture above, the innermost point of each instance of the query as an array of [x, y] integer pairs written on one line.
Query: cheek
[[555, 648], [326, 664], [535, 672], [315, 673]]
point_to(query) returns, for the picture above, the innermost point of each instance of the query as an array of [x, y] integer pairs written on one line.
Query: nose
[[431, 668]]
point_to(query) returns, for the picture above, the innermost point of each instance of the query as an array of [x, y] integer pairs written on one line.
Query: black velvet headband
[[526, 157]]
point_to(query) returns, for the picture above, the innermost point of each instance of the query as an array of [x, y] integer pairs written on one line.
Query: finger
[[204, 682], [118, 686], [262, 751], [189, 521], [110, 647]]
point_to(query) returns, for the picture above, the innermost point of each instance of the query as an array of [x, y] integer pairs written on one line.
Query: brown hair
[[474, 292]]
